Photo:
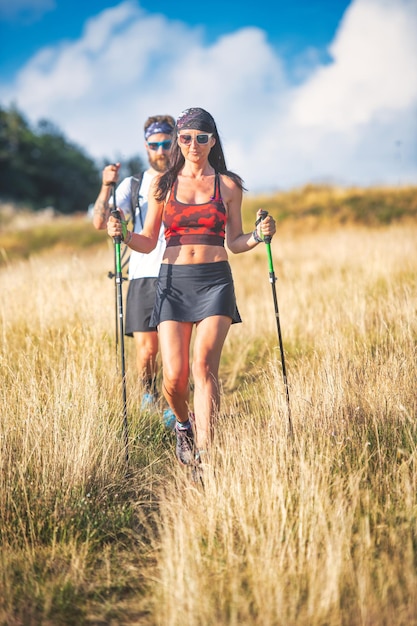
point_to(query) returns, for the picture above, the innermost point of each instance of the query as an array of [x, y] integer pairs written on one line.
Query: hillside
[[23, 232], [326, 204]]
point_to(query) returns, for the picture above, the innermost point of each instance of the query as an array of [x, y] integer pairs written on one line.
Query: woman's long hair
[[176, 162]]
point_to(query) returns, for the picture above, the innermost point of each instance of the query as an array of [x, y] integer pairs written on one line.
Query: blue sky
[[291, 27], [309, 91]]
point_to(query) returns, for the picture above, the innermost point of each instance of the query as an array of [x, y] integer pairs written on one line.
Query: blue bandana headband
[[158, 127], [196, 119]]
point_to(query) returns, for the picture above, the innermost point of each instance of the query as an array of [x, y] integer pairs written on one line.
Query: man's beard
[[159, 163]]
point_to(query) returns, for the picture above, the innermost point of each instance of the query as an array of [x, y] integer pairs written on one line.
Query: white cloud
[[374, 54], [352, 120]]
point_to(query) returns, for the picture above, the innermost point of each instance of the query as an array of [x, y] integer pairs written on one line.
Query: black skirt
[[190, 293], [140, 300]]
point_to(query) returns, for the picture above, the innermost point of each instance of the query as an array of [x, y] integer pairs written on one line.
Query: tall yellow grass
[[316, 530]]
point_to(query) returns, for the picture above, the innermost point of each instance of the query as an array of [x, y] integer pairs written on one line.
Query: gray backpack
[[135, 198]]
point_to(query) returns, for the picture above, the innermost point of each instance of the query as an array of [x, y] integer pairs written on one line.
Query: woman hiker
[[199, 202]]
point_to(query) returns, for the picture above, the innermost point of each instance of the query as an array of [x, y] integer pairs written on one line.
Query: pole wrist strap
[[124, 229], [127, 237], [257, 238]]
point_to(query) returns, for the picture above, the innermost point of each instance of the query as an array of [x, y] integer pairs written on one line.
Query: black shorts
[[140, 301], [190, 293]]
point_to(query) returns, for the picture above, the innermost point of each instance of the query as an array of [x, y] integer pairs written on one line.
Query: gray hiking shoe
[[185, 444]]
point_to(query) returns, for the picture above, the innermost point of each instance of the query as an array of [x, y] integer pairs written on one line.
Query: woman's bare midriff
[[189, 254]]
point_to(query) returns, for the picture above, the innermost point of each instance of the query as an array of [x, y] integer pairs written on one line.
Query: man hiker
[[132, 198]]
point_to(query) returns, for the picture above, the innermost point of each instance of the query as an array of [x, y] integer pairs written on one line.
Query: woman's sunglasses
[[155, 145], [202, 138]]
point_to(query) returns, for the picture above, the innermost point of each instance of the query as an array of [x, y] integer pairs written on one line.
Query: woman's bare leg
[[210, 337], [174, 341]]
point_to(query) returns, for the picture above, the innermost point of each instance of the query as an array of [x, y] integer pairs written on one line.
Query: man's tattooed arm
[[101, 213]]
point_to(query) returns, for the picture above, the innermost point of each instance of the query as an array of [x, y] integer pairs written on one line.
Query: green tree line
[[40, 167]]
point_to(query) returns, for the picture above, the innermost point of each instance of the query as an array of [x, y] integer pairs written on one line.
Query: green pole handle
[[118, 256], [267, 241], [268, 251]]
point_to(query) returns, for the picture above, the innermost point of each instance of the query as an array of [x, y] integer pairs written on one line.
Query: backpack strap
[[135, 197]]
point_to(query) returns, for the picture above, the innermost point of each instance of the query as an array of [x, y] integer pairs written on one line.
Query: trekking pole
[[272, 280], [119, 293]]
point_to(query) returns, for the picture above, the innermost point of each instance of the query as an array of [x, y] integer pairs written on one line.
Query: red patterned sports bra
[[195, 223]]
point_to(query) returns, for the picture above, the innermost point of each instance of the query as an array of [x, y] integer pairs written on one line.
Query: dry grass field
[[315, 530]]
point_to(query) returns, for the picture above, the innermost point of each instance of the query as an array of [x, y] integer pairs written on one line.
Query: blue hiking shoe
[[185, 443], [149, 401], [169, 419]]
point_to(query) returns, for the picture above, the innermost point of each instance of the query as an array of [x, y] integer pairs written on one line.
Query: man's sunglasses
[[155, 145], [202, 138]]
